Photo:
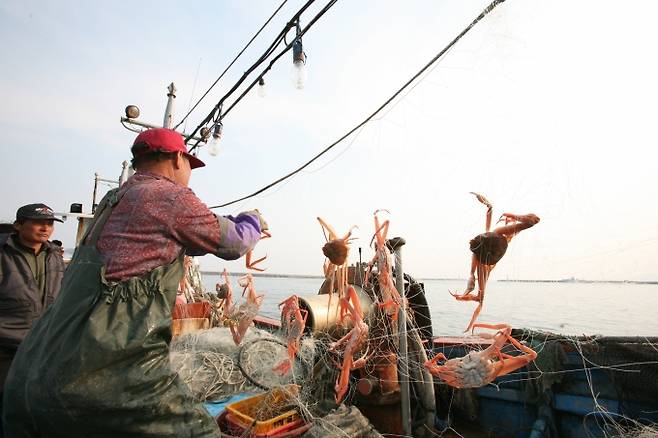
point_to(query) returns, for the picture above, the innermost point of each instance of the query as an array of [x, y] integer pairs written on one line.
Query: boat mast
[[169, 111]]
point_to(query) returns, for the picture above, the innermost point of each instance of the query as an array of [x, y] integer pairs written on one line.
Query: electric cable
[[485, 12], [231, 64]]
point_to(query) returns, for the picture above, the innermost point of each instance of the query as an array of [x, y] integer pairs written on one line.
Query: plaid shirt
[[158, 218]]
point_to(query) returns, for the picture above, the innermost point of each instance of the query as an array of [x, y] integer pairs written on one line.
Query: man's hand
[[261, 219]]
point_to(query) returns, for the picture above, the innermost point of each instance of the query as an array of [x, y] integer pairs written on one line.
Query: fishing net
[[633, 366], [618, 374], [345, 421], [631, 363], [258, 357], [213, 367], [642, 432]]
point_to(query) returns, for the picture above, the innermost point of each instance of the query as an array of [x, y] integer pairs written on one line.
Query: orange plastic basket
[[244, 413]]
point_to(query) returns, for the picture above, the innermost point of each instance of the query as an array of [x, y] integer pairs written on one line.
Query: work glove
[[261, 219]]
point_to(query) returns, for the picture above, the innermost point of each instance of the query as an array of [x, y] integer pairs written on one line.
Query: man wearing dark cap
[[97, 364], [31, 271]]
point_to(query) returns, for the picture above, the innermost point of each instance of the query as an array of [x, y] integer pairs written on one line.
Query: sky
[[544, 107]]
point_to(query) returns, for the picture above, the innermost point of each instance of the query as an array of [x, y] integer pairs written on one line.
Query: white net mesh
[[213, 367]]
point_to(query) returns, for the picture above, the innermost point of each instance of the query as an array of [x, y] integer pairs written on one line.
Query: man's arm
[[237, 235], [201, 232]]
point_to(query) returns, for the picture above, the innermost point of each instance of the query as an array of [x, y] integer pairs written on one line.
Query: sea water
[[611, 309]]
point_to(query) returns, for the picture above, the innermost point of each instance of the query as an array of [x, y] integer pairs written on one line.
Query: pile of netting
[[213, 367]]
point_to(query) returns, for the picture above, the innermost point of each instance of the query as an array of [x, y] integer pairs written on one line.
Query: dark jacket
[[20, 298]]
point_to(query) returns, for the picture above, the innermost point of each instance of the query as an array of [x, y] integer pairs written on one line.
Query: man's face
[[35, 231]]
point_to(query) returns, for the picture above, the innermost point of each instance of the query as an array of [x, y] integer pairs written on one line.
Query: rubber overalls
[[97, 362]]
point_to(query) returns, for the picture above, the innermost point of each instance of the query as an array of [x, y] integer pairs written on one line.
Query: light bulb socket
[[298, 54], [217, 131], [261, 82]]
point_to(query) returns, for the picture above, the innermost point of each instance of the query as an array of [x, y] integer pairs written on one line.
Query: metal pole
[[169, 112], [360, 269], [403, 359], [93, 197]]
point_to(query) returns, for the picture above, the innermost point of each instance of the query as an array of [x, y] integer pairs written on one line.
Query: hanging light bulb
[[298, 61], [262, 92], [213, 144]]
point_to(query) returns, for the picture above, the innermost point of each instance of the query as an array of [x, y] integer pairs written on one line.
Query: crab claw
[[482, 199]]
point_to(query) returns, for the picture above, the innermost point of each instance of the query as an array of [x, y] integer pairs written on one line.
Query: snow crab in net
[[488, 248], [391, 298], [351, 342], [294, 321], [238, 319], [479, 368], [336, 251]]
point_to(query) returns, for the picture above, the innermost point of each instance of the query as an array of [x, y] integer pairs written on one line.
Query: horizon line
[[564, 280]]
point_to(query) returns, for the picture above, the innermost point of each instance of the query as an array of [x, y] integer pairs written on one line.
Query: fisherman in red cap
[[97, 364]]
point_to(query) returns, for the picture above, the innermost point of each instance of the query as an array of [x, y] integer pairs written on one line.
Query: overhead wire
[[196, 78], [248, 72], [482, 14], [231, 64]]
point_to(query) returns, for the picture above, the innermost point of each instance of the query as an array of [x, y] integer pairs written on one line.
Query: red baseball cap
[[166, 140]]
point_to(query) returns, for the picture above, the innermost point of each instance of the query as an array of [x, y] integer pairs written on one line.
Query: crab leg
[[509, 363], [252, 264], [332, 233], [295, 321], [476, 313], [522, 222], [353, 341], [483, 272], [449, 376], [247, 311], [484, 200]]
